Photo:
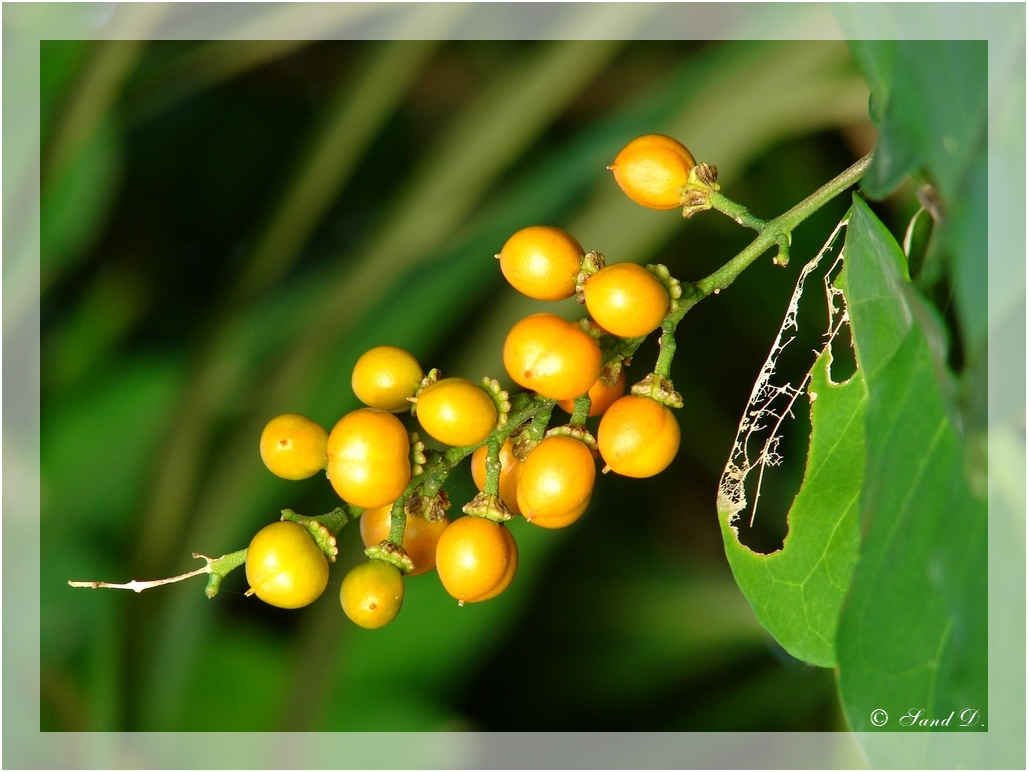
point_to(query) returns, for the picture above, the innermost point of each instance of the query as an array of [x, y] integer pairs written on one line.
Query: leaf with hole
[[797, 591]]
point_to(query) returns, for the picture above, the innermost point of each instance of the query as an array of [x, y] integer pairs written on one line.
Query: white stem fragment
[[137, 586]]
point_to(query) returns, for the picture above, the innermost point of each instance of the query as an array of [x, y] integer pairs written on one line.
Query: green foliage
[[913, 633], [797, 592], [932, 97]]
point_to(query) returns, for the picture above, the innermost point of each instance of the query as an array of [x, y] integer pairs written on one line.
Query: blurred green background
[[227, 226]]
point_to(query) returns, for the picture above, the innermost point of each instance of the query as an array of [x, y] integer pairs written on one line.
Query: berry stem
[[438, 467], [540, 421], [337, 519], [668, 345], [581, 412], [398, 519], [493, 466], [737, 212], [535, 409], [217, 568], [772, 231]]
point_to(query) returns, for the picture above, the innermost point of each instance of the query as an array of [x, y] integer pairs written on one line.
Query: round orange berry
[[284, 566], [472, 558], [552, 356], [385, 376], [294, 447], [556, 482], [653, 169], [542, 262], [369, 458], [456, 412], [626, 300], [638, 436], [372, 593]]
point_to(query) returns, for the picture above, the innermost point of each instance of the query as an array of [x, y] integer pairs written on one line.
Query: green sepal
[[390, 553], [500, 398], [672, 286], [433, 377], [431, 508], [658, 388], [490, 507], [320, 532], [696, 192], [579, 433]]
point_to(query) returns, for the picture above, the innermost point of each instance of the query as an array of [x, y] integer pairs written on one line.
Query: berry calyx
[[419, 536]]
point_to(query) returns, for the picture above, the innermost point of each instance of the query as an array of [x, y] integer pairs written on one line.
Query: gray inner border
[[25, 24]]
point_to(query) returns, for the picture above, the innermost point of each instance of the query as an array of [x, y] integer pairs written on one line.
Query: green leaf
[[932, 97], [934, 114], [964, 235], [874, 290], [876, 59], [798, 591], [913, 632]]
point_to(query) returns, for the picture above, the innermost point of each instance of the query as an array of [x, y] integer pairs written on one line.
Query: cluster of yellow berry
[[522, 469]]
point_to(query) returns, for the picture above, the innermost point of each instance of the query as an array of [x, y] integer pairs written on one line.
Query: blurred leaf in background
[[263, 213]]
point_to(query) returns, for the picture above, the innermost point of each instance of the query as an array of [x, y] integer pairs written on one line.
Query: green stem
[[773, 232], [619, 349], [398, 519], [493, 466], [438, 468], [537, 428], [782, 258], [769, 235], [667, 347], [220, 568], [581, 411], [335, 520], [737, 212]]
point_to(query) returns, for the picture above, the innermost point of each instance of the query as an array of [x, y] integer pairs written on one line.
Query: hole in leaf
[[776, 421], [844, 359]]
